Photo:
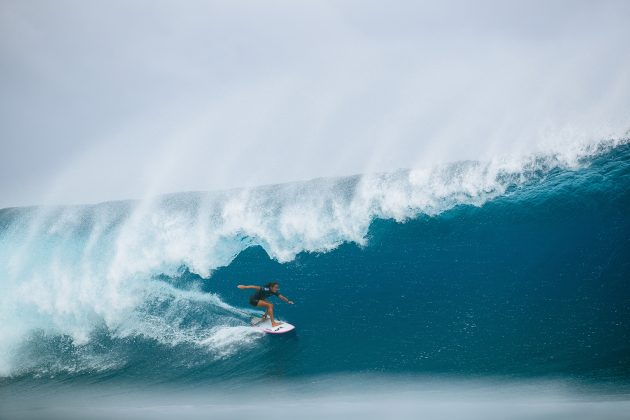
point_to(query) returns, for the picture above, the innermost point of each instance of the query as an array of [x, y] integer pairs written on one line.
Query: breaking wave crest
[[79, 271]]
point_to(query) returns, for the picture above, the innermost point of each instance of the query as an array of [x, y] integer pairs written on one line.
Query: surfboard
[[266, 326]]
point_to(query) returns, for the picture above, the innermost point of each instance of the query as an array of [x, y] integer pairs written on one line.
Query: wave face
[[487, 268]]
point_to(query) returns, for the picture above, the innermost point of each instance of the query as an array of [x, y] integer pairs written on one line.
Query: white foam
[[225, 341]]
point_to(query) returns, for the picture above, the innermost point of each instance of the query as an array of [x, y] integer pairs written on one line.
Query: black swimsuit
[[263, 293]]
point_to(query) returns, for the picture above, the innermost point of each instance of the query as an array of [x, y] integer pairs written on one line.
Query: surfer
[[258, 299]]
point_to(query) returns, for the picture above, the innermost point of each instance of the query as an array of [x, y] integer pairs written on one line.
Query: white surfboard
[[266, 326]]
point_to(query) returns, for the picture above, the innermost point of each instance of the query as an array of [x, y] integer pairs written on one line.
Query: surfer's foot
[[275, 324]]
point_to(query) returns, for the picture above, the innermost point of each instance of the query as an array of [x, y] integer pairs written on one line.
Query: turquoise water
[[468, 272]]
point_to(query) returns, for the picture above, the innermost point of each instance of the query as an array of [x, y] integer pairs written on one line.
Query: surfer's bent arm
[[240, 286], [285, 299]]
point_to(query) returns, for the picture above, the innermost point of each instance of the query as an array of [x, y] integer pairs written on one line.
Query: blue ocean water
[[464, 271]]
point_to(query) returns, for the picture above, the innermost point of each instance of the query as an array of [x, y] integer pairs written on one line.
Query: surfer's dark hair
[[271, 284]]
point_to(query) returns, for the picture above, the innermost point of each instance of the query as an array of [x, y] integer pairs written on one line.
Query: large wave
[[76, 270]]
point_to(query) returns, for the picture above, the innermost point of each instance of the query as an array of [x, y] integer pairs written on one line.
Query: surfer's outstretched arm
[[290, 302], [240, 286]]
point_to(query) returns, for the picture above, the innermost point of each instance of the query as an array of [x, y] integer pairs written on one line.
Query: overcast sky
[[105, 100]]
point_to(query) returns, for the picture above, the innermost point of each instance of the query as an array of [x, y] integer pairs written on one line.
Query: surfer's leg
[[268, 308], [269, 311]]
